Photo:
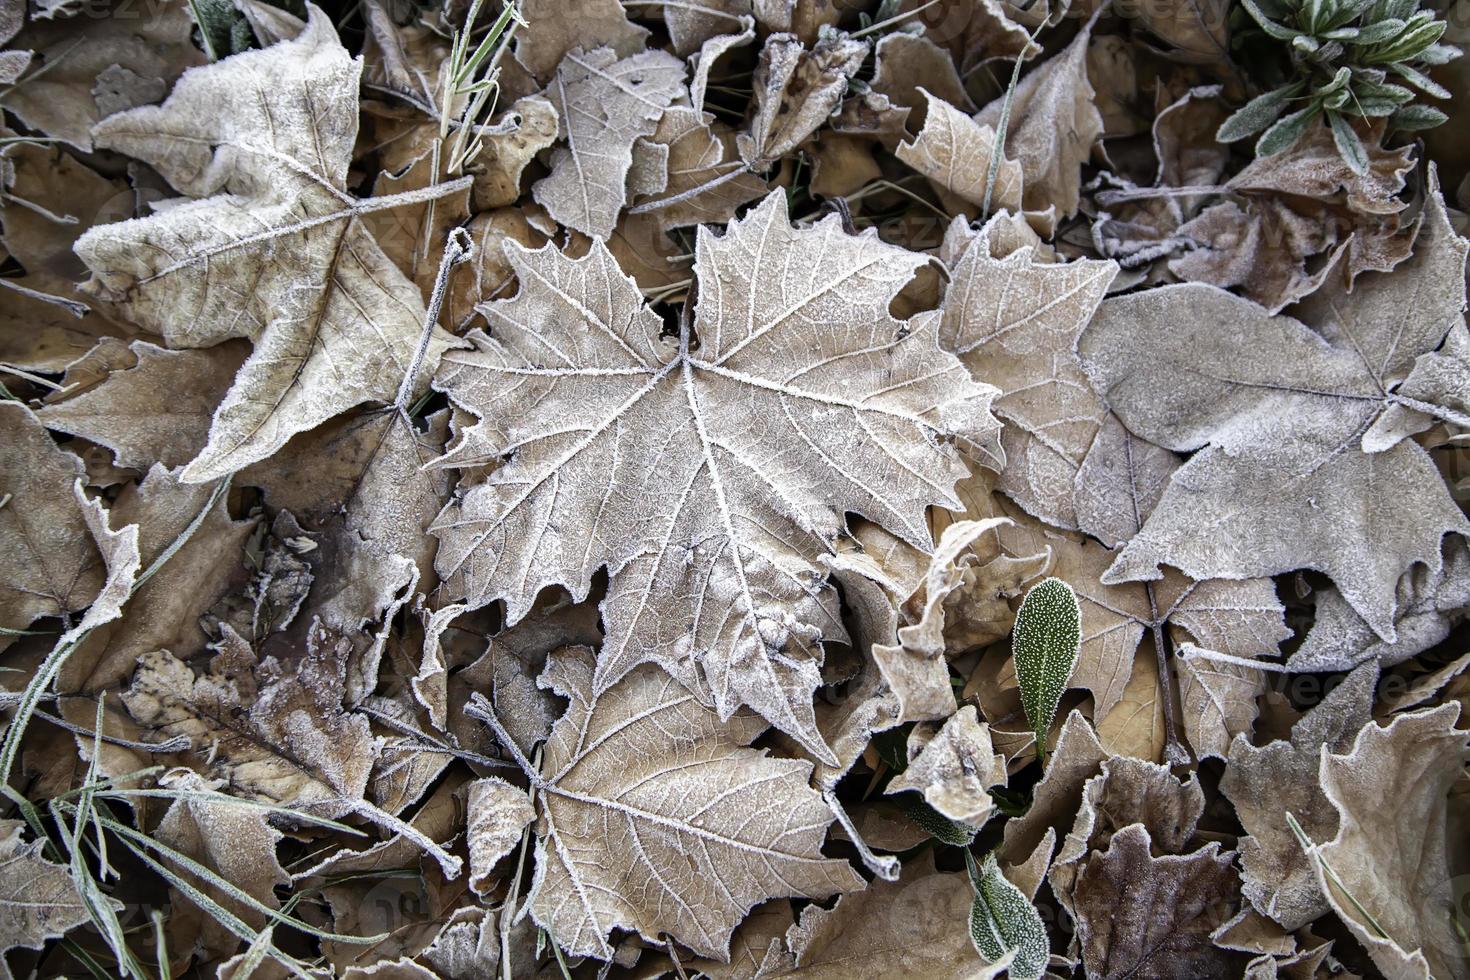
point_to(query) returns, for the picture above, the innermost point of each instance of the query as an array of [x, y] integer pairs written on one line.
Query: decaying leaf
[[1395, 888], [688, 827], [37, 898], [731, 560], [955, 769], [796, 89]]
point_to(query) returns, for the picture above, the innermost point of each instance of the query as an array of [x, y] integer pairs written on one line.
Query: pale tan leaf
[[1393, 883], [602, 106], [1217, 700], [723, 586], [954, 769], [504, 156], [498, 812], [955, 152], [1014, 320], [915, 926], [279, 255], [1053, 125], [554, 28], [702, 186], [655, 817]]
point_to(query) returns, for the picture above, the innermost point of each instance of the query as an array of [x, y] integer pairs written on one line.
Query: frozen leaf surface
[[654, 816], [277, 251], [636, 452]]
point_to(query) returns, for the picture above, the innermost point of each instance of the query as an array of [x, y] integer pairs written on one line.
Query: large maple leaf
[[709, 472], [276, 252]]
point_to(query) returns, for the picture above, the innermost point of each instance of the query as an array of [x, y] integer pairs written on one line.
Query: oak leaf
[[715, 563]]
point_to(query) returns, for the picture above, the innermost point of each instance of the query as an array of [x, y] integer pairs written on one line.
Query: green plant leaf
[[1002, 919], [1418, 117], [1045, 641], [1258, 113], [1287, 131], [1348, 144]]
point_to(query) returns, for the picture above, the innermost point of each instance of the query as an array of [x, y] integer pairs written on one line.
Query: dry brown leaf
[[555, 28], [164, 612], [954, 769], [603, 106], [654, 816], [503, 156], [973, 31], [1303, 464], [52, 566], [1217, 699], [1053, 125], [1392, 883], [702, 186], [268, 731], [1144, 916], [38, 900], [911, 70], [916, 926], [235, 842], [498, 813], [75, 57], [1075, 759], [955, 152], [1268, 782], [1313, 168], [796, 90], [752, 546], [155, 406], [279, 255]]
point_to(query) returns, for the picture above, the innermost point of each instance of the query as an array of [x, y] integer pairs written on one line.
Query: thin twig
[[459, 248]]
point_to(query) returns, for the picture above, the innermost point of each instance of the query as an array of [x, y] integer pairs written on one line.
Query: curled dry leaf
[[731, 564], [276, 251], [1396, 890], [955, 769], [796, 89], [654, 816], [956, 153]]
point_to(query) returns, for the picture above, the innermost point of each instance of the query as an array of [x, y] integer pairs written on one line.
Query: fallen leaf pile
[[737, 488]]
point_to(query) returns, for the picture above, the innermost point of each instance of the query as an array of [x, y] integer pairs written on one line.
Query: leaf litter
[[739, 489]]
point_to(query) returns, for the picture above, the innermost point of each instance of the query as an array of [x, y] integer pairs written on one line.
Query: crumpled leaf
[[954, 769], [1428, 604], [37, 898], [1075, 759], [1388, 878], [1014, 320], [796, 89], [277, 252], [701, 186], [737, 529], [1053, 124], [498, 812], [603, 106], [1266, 783], [654, 816], [504, 156], [270, 731], [52, 566], [1294, 472]]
